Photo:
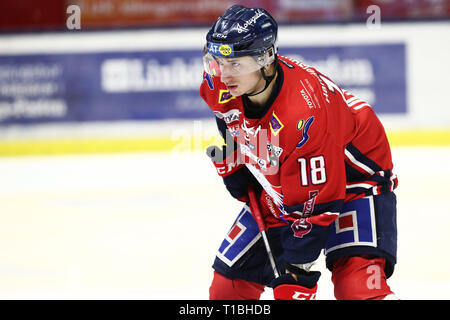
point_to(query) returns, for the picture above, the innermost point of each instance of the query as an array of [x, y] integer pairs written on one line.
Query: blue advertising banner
[[110, 86], [374, 73]]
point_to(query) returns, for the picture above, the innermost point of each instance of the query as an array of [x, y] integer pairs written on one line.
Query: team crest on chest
[[275, 124], [225, 96]]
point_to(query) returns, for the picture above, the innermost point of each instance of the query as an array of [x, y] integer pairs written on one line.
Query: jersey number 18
[[313, 172]]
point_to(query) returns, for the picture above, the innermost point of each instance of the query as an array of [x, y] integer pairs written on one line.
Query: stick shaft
[[254, 207]]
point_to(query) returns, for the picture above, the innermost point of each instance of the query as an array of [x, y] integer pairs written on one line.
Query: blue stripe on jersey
[[382, 180], [361, 190], [359, 156], [353, 175]]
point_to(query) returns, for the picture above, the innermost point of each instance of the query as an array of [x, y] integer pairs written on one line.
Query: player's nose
[[225, 77]]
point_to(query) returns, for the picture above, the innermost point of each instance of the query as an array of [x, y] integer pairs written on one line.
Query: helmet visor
[[231, 67], [223, 60]]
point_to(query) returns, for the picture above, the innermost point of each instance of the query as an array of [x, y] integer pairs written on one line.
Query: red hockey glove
[[226, 162], [235, 174], [229, 163], [285, 287]]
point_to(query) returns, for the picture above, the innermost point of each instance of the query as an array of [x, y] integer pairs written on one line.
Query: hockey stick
[[256, 212], [216, 154]]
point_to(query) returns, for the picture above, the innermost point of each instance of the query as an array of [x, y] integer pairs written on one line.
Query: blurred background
[[105, 189]]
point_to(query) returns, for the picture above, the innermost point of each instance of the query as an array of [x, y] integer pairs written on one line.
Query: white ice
[[147, 226]]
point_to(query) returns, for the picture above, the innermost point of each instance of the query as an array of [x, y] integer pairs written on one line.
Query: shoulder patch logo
[[225, 96], [275, 124]]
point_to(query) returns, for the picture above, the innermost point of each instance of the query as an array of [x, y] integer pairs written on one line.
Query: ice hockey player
[[318, 157]]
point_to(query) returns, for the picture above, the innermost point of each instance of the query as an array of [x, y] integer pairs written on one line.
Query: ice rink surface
[[147, 226]]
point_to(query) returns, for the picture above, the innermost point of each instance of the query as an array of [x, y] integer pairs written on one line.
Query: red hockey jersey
[[316, 148]]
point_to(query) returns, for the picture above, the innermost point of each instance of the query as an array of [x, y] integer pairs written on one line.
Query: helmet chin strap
[[268, 80]]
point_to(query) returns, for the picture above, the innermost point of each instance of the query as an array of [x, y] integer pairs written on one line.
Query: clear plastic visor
[[230, 67]]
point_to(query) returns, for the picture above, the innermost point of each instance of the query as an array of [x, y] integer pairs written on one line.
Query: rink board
[[169, 143]]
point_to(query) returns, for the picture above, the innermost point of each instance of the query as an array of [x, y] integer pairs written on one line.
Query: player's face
[[240, 75]]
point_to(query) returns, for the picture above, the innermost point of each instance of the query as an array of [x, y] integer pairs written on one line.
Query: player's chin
[[234, 90]]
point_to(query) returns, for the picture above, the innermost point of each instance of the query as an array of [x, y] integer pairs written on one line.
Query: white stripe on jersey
[[359, 107], [374, 190], [351, 100], [331, 213], [393, 177], [359, 185], [354, 102], [357, 163], [351, 104]]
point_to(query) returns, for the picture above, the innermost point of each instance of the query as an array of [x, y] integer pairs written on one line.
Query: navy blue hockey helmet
[[248, 31], [239, 32]]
